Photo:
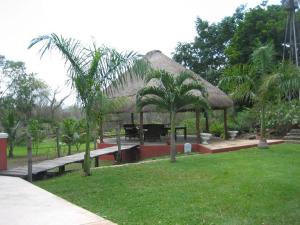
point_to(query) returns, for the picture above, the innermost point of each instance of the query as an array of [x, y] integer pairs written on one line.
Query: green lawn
[[243, 187]]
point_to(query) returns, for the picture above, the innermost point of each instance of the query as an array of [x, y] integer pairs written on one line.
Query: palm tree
[[285, 81], [172, 93], [91, 70], [246, 83]]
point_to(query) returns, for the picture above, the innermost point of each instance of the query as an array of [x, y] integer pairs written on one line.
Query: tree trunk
[[141, 131], [69, 149], [57, 142], [198, 138], [225, 125], [262, 141], [29, 158], [101, 133], [119, 156], [11, 149], [87, 161], [173, 143]]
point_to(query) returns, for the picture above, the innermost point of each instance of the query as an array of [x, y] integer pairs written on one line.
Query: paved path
[[240, 143], [22, 203], [46, 165]]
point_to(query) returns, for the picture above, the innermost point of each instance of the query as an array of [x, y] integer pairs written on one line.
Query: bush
[[283, 116], [217, 128]]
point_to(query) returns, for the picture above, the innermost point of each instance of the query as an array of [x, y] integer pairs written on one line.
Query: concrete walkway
[[22, 203]]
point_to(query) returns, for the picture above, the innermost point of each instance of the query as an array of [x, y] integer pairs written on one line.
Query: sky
[[135, 25]]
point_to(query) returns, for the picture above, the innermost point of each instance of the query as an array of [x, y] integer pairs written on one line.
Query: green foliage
[[259, 25], [206, 55], [244, 121], [283, 116], [171, 94], [69, 129], [91, 70], [25, 88], [36, 132], [217, 128]]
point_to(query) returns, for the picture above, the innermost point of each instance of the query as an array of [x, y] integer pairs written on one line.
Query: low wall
[[149, 151]]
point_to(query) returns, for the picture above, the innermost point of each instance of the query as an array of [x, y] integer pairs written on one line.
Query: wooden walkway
[[42, 167]]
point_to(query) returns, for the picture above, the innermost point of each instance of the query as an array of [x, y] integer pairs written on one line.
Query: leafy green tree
[[102, 108], [34, 128], [69, 129], [9, 121], [285, 82], [246, 82], [23, 87], [206, 55], [91, 70], [261, 24], [172, 94]]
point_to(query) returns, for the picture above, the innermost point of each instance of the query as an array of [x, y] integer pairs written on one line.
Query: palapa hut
[[217, 99]]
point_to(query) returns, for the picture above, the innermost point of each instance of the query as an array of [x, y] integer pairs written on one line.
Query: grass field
[[243, 187]]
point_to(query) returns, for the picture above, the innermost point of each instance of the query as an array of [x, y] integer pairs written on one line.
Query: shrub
[[283, 116], [217, 128]]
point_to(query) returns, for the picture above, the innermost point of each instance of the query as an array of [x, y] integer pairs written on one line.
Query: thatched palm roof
[[157, 60]]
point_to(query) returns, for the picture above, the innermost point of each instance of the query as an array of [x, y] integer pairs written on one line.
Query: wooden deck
[[44, 166]]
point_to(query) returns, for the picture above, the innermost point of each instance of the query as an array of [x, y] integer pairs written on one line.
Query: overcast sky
[[138, 25]]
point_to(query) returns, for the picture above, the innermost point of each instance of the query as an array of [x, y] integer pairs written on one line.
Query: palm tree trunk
[[262, 141], [173, 144], [87, 161]]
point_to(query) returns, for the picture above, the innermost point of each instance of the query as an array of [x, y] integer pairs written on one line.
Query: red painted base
[[3, 154], [152, 151]]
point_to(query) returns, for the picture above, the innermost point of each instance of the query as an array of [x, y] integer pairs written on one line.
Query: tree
[[246, 83], [91, 70], [285, 82], [102, 108], [172, 94], [23, 87], [34, 129], [19, 92], [9, 121], [206, 55], [54, 103], [69, 129], [260, 25]]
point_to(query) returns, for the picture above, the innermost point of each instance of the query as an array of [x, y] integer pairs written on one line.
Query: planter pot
[[205, 137], [233, 134]]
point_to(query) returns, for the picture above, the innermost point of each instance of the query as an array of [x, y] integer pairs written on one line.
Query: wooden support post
[[132, 118], [198, 140], [29, 155], [97, 161], [225, 125], [61, 169], [141, 131], [206, 123], [58, 141]]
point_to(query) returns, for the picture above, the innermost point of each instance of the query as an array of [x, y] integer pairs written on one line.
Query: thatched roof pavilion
[[217, 99], [157, 60]]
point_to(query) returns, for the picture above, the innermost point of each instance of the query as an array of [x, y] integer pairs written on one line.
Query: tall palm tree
[[172, 93], [246, 83], [91, 70]]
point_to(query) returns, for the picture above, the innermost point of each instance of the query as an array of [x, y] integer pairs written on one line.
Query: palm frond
[[141, 103], [185, 88], [151, 90], [187, 100]]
